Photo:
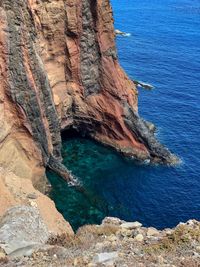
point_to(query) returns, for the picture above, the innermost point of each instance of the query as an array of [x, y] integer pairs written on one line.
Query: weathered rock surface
[[59, 70], [131, 225], [15, 191], [20, 227], [106, 257]]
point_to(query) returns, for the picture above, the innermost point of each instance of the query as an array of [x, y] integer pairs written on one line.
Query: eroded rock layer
[[59, 69]]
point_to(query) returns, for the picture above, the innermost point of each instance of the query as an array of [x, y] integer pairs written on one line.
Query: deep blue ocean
[[163, 50]]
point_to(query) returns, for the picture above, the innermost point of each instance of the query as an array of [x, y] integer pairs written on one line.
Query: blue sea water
[[164, 50]]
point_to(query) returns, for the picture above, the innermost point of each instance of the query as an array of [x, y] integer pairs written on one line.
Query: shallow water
[[163, 50]]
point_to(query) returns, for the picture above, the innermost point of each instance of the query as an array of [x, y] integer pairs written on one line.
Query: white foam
[[127, 34]]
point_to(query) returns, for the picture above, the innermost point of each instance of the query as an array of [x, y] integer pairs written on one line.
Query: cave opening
[[113, 186]]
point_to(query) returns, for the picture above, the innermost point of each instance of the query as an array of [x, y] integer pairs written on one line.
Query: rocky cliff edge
[[59, 70]]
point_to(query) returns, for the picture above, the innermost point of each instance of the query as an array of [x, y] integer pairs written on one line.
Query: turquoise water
[[163, 50]]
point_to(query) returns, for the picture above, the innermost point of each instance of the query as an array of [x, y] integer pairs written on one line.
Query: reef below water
[[115, 186]]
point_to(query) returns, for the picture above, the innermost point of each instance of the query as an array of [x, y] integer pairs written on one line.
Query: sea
[[162, 48]]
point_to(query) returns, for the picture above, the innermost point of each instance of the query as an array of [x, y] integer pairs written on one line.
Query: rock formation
[[59, 70], [17, 191]]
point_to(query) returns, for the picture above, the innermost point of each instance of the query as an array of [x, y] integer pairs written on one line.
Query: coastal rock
[[152, 232], [112, 220], [131, 225], [106, 257], [118, 32], [32, 196], [20, 227], [139, 238], [14, 191]]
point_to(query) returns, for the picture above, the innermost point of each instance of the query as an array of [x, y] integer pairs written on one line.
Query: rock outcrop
[[20, 227], [18, 191], [59, 70]]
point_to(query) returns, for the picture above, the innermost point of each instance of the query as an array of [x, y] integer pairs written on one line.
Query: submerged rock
[[143, 85]]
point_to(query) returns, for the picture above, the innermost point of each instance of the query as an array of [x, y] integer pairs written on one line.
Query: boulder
[[131, 225], [106, 257], [139, 238], [152, 232], [22, 227], [112, 220]]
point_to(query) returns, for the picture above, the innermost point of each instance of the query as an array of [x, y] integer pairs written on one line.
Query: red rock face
[[59, 70]]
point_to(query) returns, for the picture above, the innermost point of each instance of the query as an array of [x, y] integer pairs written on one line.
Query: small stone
[[195, 254], [180, 224], [112, 238], [131, 225], [106, 257], [2, 255], [152, 232], [112, 220], [33, 204], [160, 260], [126, 233], [106, 244], [24, 251], [32, 196], [198, 248], [75, 262], [99, 246], [168, 232], [139, 238], [190, 222], [114, 243]]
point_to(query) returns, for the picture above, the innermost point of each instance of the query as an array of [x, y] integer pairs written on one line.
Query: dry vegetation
[[178, 247]]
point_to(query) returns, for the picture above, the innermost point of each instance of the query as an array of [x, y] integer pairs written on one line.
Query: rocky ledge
[[26, 241]]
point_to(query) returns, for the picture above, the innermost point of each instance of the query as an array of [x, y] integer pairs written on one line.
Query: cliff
[[59, 70]]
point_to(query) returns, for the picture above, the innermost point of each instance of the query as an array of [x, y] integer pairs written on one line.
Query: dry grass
[[179, 238], [95, 230], [86, 236]]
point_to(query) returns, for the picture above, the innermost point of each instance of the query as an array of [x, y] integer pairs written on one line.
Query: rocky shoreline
[[26, 241]]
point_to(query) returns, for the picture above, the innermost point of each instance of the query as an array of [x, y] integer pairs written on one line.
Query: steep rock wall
[[59, 69]]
